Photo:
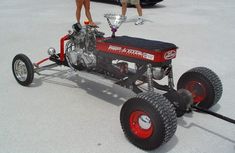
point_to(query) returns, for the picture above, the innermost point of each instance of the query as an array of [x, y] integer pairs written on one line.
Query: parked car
[[146, 2], [143, 2]]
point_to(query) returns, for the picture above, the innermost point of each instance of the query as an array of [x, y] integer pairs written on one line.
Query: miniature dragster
[[149, 119]]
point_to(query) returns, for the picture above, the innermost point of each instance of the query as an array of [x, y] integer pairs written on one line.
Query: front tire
[[148, 120], [204, 84], [23, 69]]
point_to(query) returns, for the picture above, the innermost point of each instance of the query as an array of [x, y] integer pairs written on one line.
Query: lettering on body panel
[[170, 54], [133, 52]]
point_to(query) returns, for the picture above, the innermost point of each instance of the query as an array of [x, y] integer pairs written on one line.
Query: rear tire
[[204, 84], [23, 69], [148, 120]]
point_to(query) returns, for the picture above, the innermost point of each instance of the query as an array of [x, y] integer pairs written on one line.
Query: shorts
[[133, 2]]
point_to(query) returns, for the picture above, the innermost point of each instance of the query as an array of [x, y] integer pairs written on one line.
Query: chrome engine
[[80, 49]]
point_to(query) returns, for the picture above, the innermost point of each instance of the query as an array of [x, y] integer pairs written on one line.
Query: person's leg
[[87, 11], [124, 7], [79, 4], [139, 9]]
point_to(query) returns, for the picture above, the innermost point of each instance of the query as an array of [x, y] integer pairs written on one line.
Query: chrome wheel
[[20, 70], [23, 69]]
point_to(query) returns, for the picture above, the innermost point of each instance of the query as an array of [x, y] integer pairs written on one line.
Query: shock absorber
[[150, 77], [170, 77]]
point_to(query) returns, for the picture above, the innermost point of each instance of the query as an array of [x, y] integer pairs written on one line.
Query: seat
[[141, 43]]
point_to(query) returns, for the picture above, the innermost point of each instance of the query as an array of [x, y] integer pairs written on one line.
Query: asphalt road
[[79, 113]]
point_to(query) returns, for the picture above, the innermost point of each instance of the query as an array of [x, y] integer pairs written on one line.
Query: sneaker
[[140, 21], [124, 18]]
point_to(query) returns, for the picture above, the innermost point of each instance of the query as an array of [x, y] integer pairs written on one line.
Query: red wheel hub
[[198, 91], [140, 124]]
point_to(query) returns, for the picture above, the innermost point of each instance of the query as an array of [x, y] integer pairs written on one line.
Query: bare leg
[[139, 9], [124, 8], [87, 11], [78, 10]]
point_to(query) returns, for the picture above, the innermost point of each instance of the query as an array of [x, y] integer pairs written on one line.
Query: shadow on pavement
[[108, 92], [112, 94], [183, 123], [168, 146]]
